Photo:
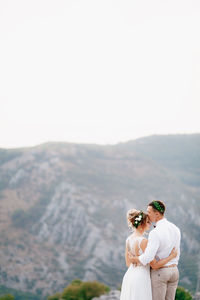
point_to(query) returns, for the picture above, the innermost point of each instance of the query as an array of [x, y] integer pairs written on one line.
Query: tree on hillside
[[79, 290], [182, 294], [7, 297], [93, 289], [56, 296]]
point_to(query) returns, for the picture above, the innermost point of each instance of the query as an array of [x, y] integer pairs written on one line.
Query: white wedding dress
[[136, 284]]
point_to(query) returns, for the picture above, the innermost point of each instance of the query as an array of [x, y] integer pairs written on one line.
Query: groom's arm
[[151, 249]]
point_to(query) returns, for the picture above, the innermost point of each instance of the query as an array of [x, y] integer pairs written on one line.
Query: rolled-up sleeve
[[150, 251]]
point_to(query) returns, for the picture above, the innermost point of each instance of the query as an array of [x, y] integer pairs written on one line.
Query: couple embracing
[[152, 264]]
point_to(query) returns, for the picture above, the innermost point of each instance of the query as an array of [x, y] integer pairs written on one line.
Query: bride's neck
[[138, 232]]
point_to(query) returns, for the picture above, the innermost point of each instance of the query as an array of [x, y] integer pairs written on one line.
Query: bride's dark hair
[[136, 218]]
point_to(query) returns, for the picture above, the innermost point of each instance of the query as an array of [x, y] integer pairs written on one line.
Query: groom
[[162, 239]]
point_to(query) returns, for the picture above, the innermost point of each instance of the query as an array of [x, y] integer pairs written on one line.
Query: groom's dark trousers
[[164, 283]]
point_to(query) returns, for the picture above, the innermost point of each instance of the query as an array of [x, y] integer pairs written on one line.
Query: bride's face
[[148, 224]]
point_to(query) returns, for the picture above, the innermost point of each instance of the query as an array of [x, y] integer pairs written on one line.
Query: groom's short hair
[[158, 205]]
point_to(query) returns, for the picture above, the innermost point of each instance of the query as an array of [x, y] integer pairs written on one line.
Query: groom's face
[[152, 215]]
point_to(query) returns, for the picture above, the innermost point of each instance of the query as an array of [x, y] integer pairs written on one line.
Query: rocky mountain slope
[[63, 208]]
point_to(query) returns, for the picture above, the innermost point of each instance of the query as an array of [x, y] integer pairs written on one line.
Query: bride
[[136, 284]]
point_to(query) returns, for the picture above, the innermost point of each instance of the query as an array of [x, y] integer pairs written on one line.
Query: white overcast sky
[[98, 71]]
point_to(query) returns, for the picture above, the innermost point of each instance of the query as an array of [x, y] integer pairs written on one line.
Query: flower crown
[[138, 220], [158, 207]]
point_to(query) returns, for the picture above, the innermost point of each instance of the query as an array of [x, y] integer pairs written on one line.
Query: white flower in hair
[[138, 218]]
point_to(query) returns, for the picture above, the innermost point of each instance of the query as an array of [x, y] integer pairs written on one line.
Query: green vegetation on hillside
[[182, 294], [7, 297], [79, 290]]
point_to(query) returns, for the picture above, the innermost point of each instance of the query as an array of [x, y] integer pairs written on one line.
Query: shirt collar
[[160, 222]]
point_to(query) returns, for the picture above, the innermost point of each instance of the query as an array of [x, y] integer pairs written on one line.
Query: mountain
[[63, 208]]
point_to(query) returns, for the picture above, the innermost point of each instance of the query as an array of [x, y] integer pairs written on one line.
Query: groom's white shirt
[[161, 241]]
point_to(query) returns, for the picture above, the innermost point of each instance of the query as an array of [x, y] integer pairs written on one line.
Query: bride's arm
[[158, 264], [128, 261]]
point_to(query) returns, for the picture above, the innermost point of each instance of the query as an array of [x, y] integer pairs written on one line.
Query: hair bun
[[131, 214], [135, 218]]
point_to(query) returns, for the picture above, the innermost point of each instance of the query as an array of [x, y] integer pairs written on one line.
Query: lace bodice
[[132, 241]]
